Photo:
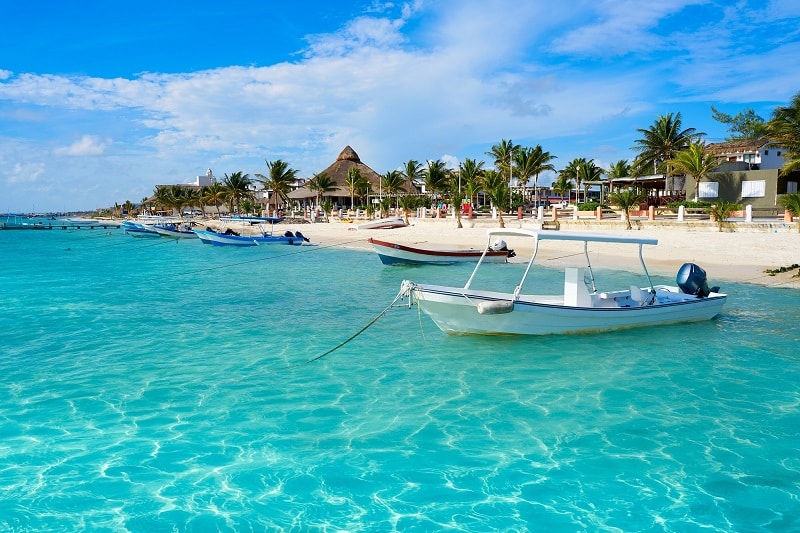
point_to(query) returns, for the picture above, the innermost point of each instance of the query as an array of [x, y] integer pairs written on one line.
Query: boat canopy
[[551, 235]]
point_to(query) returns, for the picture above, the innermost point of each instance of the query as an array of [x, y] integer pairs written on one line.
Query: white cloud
[[24, 173], [86, 145]]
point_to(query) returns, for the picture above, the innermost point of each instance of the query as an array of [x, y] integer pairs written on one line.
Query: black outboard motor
[[691, 279], [288, 234], [301, 236]]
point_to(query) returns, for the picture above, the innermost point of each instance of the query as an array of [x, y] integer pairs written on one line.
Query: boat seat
[[641, 297]]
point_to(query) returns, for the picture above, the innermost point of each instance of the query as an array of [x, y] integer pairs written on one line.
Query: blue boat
[[230, 238]]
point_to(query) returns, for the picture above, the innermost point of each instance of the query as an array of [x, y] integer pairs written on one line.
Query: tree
[[619, 169], [321, 183], [721, 211], [625, 199], [503, 154], [588, 172], [744, 125], [407, 203], [436, 176], [412, 170], [791, 202], [470, 172], [239, 186], [573, 172], [392, 183], [696, 162], [352, 181], [530, 162], [784, 130], [660, 142], [496, 189], [279, 178], [562, 184], [213, 194]]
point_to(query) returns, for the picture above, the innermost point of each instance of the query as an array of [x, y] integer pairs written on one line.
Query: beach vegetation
[[239, 187], [791, 202], [721, 211], [618, 169], [279, 178], [321, 184], [529, 163], [659, 144], [413, 172], [470, 172], [625, 199], [214, 194], [562, 184], [393, 183], [407, 204], [745, 125], [784, 130], [695, 161], [436, 180], [502, 154], [327, 207], [495, 187]]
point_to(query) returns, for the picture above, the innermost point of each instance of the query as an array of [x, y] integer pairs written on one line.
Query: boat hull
[[460, 312], [173, 233], [399, 254], [384, 223], [221, 239]]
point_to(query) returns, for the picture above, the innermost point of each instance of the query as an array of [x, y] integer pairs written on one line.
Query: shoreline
[[741, 256]]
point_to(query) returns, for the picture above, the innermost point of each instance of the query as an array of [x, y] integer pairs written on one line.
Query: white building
[[750, 154], [208, 179]]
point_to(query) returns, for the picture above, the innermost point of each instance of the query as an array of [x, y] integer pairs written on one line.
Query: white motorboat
[[391, 253], [384, 223], [577, 308]]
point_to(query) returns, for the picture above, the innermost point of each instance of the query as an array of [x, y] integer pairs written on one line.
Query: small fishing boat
[[579, 307], [384, 223], [232, 238], [401, 254], [137, 229], [175, 231]]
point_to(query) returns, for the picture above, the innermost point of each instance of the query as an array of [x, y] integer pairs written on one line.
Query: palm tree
[[436, 176], [588, 172], [503, 154], [321, 183], [721, 211], [625, 199], [661, 142], [352, 181], [392, 183], [407, 203], [791, 202], [696, 162], [280, 179], [784, 130], [530, 162], [496, 189], [238, 185], [562, 184], [412, 170], [213, 194], [618, 169], [470, 172], [573, 172]]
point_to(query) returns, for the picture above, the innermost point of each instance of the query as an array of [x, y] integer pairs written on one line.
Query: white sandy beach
[[740, 255]]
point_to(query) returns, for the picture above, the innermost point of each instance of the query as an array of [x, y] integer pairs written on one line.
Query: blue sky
[[101, 101]]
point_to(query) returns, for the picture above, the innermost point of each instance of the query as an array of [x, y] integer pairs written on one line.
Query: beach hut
[[338, 172]]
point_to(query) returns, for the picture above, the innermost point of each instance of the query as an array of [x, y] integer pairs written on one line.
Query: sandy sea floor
[[740, 254]]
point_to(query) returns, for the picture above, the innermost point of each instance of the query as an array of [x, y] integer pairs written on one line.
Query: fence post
[[651, 213], [748, 213], [681, 213]]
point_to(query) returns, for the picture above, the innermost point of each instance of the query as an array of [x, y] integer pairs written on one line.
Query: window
[[766, 152], [779, 153], [754, 189], [708, 189], [750, 158], [791, 187]]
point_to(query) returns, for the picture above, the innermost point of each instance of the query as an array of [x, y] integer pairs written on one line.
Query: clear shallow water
[[149, 385]]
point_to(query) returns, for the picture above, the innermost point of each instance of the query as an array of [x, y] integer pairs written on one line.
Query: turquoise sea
[[154, 385]]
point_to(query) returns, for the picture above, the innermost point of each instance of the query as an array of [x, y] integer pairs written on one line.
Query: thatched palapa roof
[[337, 172], [738, 146]]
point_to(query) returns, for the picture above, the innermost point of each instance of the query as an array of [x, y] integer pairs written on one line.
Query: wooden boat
[[384, 223], [175, 231], [400, 254], [230, 238], [577, 308]]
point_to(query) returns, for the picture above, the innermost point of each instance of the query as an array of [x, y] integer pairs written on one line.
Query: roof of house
[[738, 146]]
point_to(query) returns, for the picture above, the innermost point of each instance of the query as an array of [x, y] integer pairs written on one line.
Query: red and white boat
[[400, 254]]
